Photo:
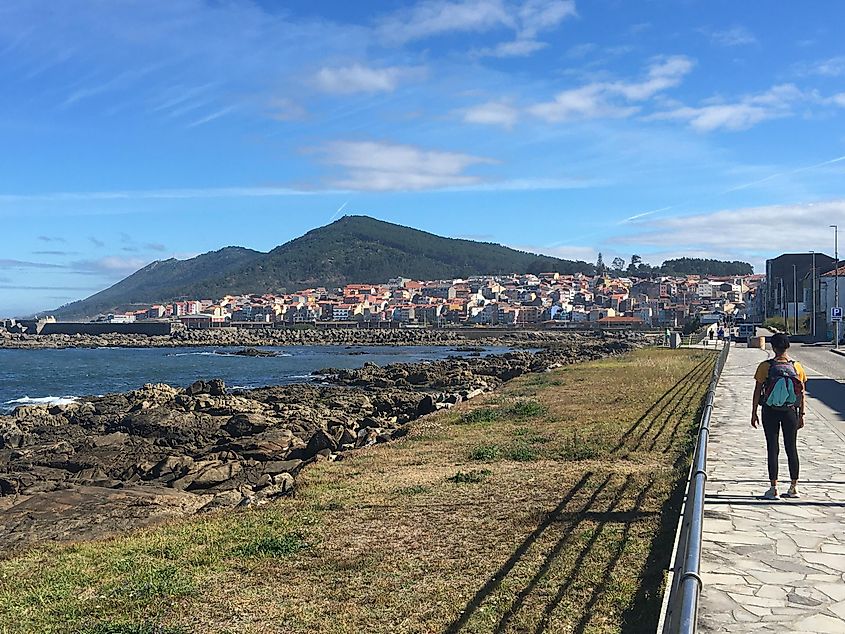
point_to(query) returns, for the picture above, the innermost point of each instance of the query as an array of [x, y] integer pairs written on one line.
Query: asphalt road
[[819, 360]]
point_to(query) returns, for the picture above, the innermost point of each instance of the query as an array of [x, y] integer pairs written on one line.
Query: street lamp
[[836, 277]]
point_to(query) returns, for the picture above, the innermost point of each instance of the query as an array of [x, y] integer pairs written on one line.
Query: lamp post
[[836, 279]]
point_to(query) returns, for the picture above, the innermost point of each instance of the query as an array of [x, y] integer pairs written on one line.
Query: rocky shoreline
[[111, 463], [251, 338]]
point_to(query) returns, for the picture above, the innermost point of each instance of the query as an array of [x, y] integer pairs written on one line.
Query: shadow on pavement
[[828, 391]]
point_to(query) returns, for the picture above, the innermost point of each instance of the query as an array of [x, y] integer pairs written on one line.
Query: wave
[[42, 400]]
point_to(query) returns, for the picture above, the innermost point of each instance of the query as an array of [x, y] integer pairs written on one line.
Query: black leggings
[[773, 421]]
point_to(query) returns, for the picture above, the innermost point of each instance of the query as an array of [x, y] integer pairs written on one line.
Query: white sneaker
[[792, 493], [771, 494]]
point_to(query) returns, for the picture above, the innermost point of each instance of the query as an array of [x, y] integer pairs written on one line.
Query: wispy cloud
[[830, 67], [54, 253], [167, 194], [748, 111], [359, 78], [6, 263], [492, 113], [222, 112], [733, 36], [51, 239], [383, 166], [96, 242], [752, 230], [113, 266], [436, 17], [613, 99], [526, 20]]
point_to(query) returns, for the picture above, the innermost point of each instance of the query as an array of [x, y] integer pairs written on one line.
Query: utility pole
[[795, 294], [836, 279], [813, 299]]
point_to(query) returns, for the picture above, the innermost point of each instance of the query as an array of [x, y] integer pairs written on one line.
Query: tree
[[618, 264], [633, 267], [600, 268]]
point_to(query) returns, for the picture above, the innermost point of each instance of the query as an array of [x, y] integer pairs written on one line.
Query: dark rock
[[426, 405], [274, 467], [244, 425]]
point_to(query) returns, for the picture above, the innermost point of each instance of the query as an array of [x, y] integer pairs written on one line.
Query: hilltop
[[354, 249]]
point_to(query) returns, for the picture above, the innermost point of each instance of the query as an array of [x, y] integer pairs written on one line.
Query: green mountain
[[161, 280], [354, 249]]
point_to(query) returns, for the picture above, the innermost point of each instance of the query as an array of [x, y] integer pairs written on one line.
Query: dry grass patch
[[548, 506]]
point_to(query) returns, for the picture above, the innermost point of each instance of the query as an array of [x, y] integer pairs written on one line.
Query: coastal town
[[519, 300]]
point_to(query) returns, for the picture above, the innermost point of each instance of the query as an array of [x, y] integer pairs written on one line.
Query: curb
[[841, 353]]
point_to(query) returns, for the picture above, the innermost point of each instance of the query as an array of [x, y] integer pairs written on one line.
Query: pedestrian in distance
[[779, 389]]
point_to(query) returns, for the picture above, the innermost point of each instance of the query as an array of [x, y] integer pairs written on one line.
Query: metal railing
[[681, 613]]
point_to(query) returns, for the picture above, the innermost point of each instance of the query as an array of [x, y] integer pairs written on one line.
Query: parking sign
[[836, 313]]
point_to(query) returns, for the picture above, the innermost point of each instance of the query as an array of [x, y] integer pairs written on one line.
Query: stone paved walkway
[[772, 566]]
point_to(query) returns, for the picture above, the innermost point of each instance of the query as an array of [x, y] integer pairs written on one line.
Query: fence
[[681, 606]]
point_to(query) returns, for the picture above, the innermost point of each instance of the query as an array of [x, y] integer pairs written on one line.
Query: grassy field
[[548, 506]]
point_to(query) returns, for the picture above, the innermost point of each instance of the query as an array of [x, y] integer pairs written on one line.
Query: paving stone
[[771, 566]]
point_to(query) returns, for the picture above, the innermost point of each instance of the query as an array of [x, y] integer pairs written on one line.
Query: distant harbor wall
[[149, 328]]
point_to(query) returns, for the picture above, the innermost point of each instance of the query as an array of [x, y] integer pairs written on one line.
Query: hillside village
[[506, 301]]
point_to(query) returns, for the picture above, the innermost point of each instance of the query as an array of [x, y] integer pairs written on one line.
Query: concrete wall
[[101, 328]]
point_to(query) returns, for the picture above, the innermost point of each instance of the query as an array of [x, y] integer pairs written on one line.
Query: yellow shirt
[[762, 372]]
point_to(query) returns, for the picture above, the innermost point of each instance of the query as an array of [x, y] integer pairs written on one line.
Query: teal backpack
[[783, 388]]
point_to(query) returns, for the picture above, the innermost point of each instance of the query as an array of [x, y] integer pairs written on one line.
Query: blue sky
[[147, 129]]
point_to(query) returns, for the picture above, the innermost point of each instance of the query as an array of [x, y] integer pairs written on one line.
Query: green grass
[[273, 546], [571, 476], [480, 415], [470, 477], [485, 452]]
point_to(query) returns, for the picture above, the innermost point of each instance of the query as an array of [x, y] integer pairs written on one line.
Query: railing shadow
[[550, 558], [643, 613], [495, 581], [658, 406], [682, 400]]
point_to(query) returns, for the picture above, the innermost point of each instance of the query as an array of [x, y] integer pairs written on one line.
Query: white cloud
[[380, 166], [536, 16], [527, 19], [734, 36], [110, 266], [838, 99], [436, 17], [517, 48], [745, 113], [358, 78], [613, 99], [745, 231], [492, 113], [831, 67]]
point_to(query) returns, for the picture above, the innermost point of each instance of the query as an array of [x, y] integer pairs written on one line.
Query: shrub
[[481, 415], [470, 477], [526, 409], [485, 452]]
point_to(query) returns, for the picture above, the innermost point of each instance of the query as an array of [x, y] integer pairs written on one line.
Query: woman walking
[[780, 390]]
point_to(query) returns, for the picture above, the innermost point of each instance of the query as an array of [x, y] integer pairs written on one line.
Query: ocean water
[[55, 376]]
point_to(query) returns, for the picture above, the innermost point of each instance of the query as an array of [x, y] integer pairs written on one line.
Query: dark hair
[[780, 341]]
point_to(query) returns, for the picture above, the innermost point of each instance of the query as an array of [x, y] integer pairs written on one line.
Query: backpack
[[783, 388]]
